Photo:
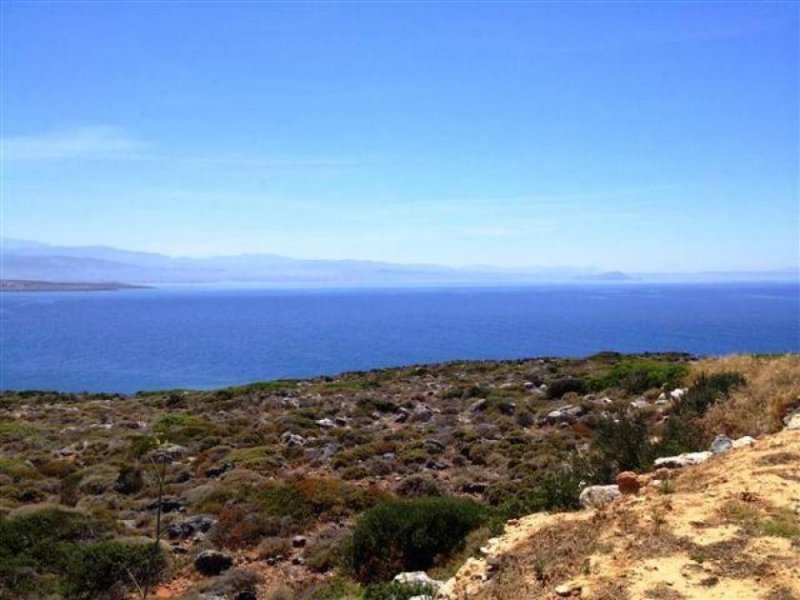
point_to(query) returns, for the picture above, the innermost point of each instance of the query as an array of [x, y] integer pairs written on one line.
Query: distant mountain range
[[34, 261]]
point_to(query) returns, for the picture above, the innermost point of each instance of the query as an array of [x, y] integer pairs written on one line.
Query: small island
[[25, 285]]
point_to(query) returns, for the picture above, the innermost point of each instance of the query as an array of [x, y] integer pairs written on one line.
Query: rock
[[474, 487], [683, 460], [422, 597], [220, 470], [212, 562], [677, 394], [743, 442], [298, 541], [326, 423], [507, 408], [340, 421], [792, 421], [721, 443], [628, 482], [402, 415], [421, 413], [417, 577], [188, 527], [169, 504], [434, 465], [565, 591], [292, 440], [169, 453], [564, 414], [435, 445], [599, 496], [246, 595], [479, 405]]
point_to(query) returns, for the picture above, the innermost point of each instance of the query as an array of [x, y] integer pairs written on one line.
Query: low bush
[[65, 552], [622, 443], [411, 535], [638, 375], [560, 387], [397, 591]]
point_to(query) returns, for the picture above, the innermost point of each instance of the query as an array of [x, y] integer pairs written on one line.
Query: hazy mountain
[[41, 262], [26, 260]]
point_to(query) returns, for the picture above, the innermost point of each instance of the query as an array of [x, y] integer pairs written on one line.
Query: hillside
[[727, 528], [329, 487]]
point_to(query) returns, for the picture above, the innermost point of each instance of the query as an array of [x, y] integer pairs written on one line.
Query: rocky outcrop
[[212, 562], [599, 496], [682, 460]]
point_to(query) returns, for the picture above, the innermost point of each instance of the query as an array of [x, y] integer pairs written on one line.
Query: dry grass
[[556, 554], [773, 388]]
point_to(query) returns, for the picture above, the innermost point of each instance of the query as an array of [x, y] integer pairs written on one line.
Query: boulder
[[189, 527], [722, 443], [599, 496], [326, 423], [417, 577], [169, 453], [169, 504], [298, 541], [682, 460], [421, 413], [292, 440], [628, 482], [792, 421], [744, 441], [212, 562], [677, 394], [220, 470]]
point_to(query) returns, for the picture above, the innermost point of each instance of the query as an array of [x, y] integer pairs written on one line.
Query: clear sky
[[654, 136]]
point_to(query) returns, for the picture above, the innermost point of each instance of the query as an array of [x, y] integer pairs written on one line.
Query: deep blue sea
[[134, 340]]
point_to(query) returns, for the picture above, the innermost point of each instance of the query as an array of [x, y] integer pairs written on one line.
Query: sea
[[198, 338]]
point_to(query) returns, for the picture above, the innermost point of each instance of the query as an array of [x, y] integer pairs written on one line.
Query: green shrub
[[65, 552], [409, 535], [562, 386], [707, 390], [110, 565], [397, 591], [638, 375], [622, 443]]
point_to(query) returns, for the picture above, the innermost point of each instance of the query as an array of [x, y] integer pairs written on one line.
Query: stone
[[326, 423], [599, 496], [417, 577], [640, 403], [298, 541], [628, 482], [188, 527], [421, 413], [479, 405], [722, 443], [474, 487], [169, 453], [792, 421], [246, 595], [168, 504], [743, 442], [292, 440], [677, 394], [212, 562], [220, 470], [682, 460], [435, 445]]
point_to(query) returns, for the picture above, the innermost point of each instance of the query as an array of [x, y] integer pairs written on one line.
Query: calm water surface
[[168, 338]]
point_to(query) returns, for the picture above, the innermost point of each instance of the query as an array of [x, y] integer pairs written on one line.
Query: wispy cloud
[[96, 142]]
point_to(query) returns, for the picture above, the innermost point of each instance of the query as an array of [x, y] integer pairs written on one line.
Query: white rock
[[743, 442], [793, 422], [721, 443], [421, 577], [325, 423], [683, 460], [677, 394], [598, 496]]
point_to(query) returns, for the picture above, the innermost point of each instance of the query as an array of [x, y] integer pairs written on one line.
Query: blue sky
[[646, 137]]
